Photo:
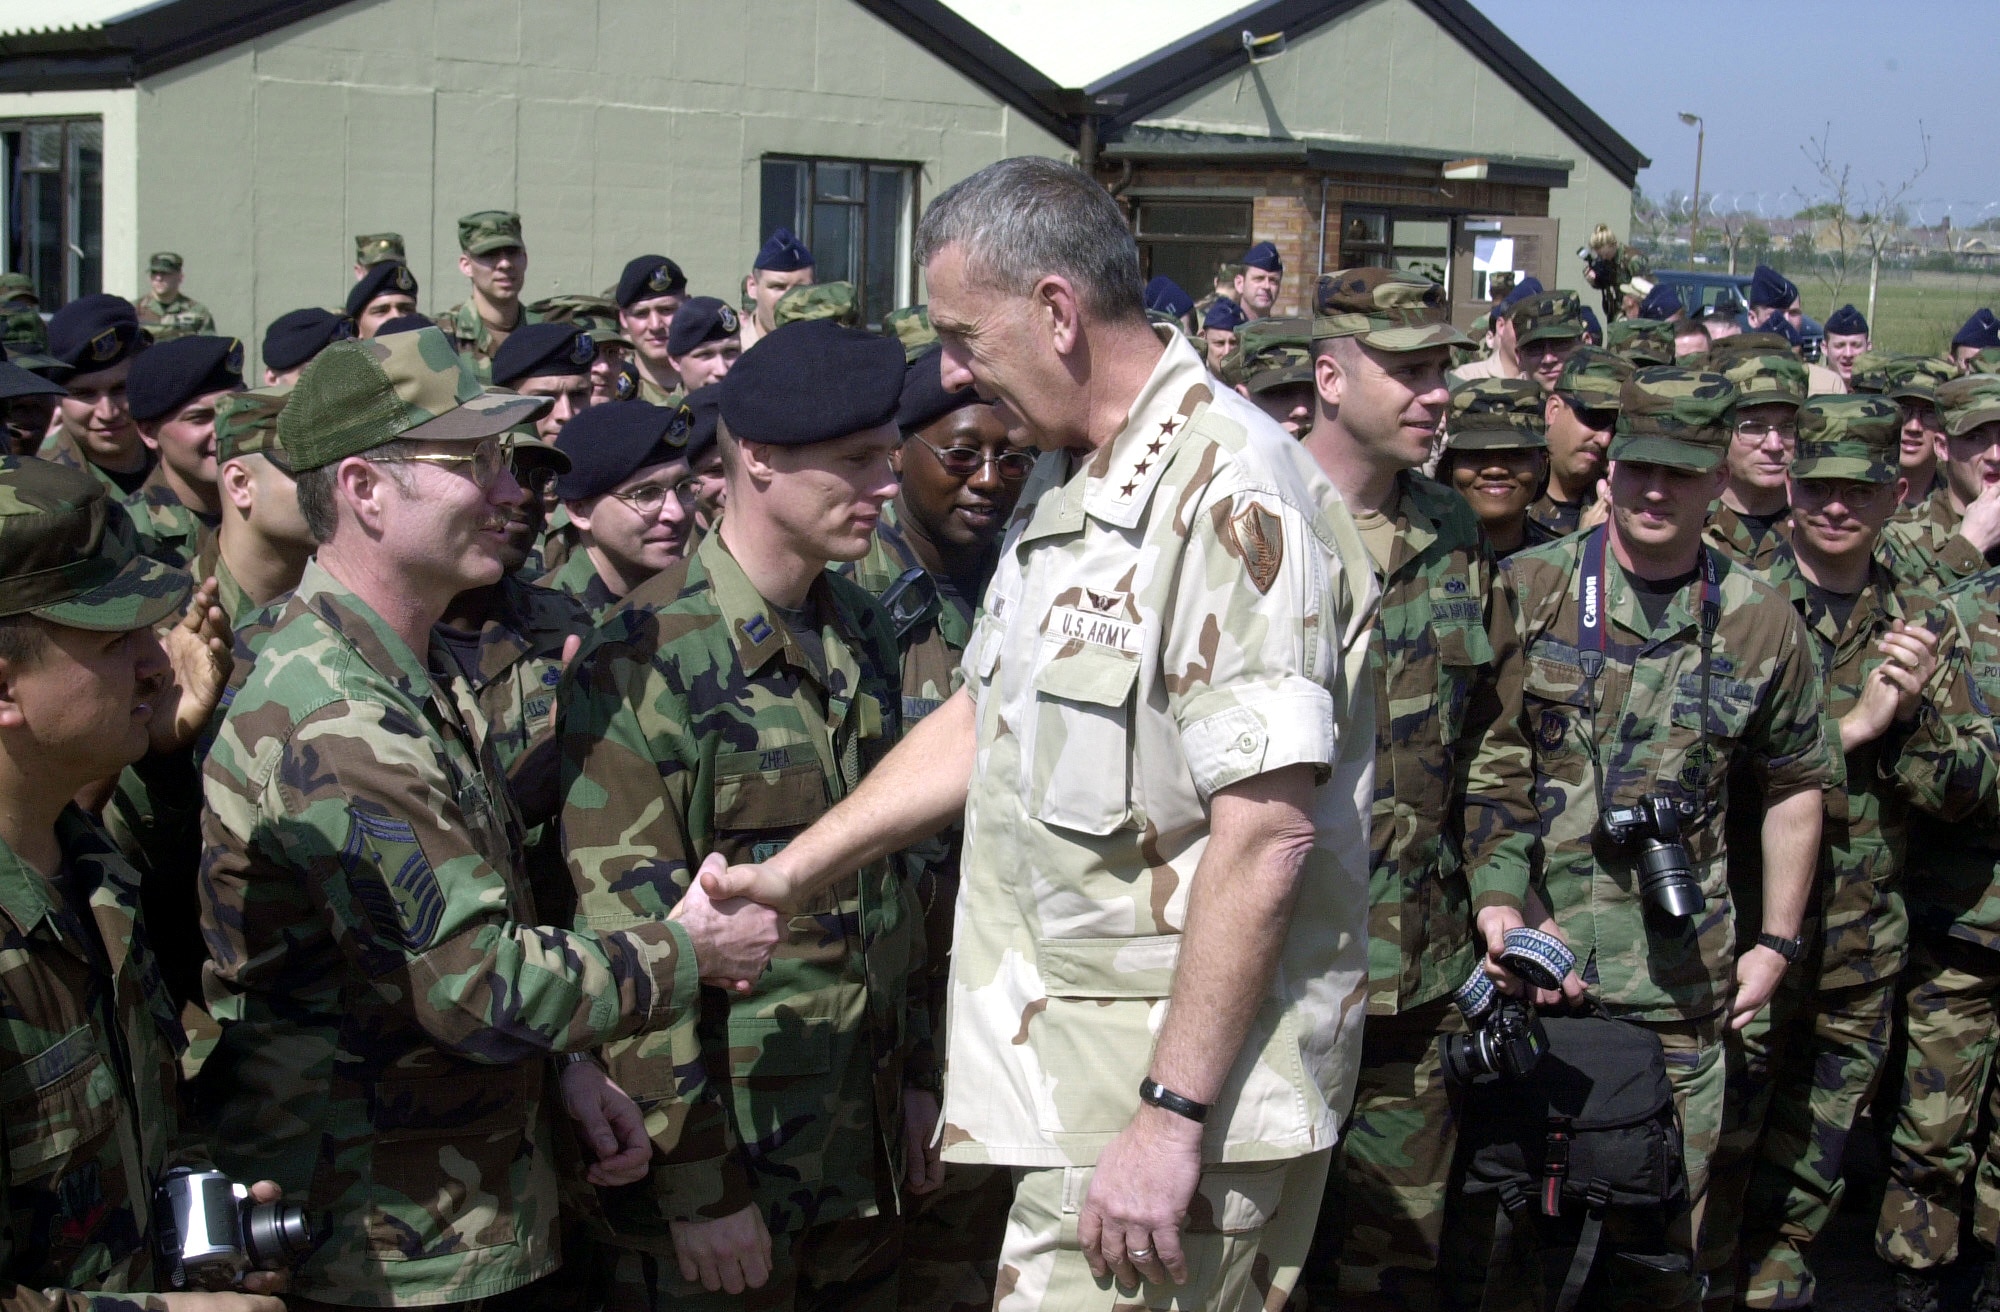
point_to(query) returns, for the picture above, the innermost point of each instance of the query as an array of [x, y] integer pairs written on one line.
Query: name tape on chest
[[1072, 624]]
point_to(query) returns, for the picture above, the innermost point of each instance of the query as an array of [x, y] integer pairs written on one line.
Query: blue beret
[[1661, 304], [1529, 286], [543, 350], [1847, 321], [1165, 295], [647, 277], [173, 373], [1591, 328], [1264, 255], [813, 381], [390, 277], [700, 411], [1777, 323], [1982, 330], [1224, 314], [405, 323], [783, 252], [292, 339], [1769, 287], [700, 319], [924, 400], [610, 442], [94, 332]]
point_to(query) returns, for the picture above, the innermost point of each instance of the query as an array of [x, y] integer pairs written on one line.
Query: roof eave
[[993, 67]]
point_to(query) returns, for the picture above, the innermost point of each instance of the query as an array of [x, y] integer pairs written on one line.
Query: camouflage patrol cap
[[17, 287], [1870, 371], [1546, 316], [1644, 342], [1384, 308], [1496, 414], [378, 247], [820, 300], [1966, 403], [1729, 350], [1849, 437], [1917, 378], [67, 555], [596, 315], [23, 334], [246, 424], [911, 326], [1764, 379], [1593, 378], [164, 262], [1271, 352], [489, 230], [356, 395], [1674, 417], [1986, 362]]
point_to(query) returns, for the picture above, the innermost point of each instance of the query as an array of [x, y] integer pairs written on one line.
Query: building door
[[55, 205], [1189, 239], [1498, 249]]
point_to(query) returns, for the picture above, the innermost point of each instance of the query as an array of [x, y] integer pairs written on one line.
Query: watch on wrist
[[1788, 948], [565, 1060], [1151, 1091], [930, 1081]]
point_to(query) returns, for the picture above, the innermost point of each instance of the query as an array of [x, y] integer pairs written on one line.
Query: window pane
[[1364, 228], [1429, 234], [836, 242], [783, 201], [888, 243], [1190, 264], [86, 207], [838, 181], [1178, 218]]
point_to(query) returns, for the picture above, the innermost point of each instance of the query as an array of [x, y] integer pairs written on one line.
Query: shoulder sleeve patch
[[1258, 535]]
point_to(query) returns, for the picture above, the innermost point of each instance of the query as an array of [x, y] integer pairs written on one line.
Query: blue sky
[[1767, 75]]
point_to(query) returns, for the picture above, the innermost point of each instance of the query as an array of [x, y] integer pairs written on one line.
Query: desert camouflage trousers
[[838, 1266], [951, 1241], [1951, 995], [1250, 1225]]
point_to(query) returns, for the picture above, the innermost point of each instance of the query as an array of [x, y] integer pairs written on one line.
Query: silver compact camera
[[209, 1233]]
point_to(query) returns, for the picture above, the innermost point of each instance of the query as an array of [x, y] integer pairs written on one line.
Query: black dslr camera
[[1666, 872], [1507, 1037], [209, 1232], [1601, 273]]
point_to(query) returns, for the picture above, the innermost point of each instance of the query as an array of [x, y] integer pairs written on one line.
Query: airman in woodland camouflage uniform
[[1956, 534], [708, 716], [1381, 344], [1272, 365], [1496, 457], [95, 339], [627, 498], [387, 1001], [1650, 664], [1645, 342], [1911, 381], [1751, 521], [165, 312], [493, 256], [1580, 413], [172, 392]]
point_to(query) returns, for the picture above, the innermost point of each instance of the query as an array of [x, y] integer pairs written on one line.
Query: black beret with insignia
[[700, 319], [609, 443], [95, 332], [543, 350], [813, 381], [924, 400], [173, 373], [391, 277], [703, 407], [647, 277], [292, 339]]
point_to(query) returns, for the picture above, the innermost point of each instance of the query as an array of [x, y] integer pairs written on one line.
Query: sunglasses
[[965, 461]]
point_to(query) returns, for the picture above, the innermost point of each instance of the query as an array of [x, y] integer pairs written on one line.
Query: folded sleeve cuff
[[1237, 733]]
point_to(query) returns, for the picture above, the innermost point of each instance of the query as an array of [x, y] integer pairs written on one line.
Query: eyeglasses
[[965, 461], [535, 476], [647, 498], [1761, 432], [488, 460]]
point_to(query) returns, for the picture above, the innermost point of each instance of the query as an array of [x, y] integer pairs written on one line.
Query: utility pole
[[1694, 217]]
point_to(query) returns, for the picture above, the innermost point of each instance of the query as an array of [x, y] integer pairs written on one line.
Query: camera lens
[[276, 1235], [1666, 879], [1463, 1057]]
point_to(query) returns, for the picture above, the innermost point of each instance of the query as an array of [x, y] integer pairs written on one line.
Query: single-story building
[[257, 137]]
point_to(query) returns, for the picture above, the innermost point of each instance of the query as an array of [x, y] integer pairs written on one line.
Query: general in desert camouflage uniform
[[1721, 671], [705, 717], [1956, 533], [166, 312], [385, 995], [484, 238]]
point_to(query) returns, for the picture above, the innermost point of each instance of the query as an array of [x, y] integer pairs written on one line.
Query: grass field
[[1914, 312]]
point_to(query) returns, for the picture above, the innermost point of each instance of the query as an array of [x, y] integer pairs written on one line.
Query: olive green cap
[[1966, 403], [1642, 341], [358, 395], [378, 248], [1849, 437], [1729, 350], [68, 554], [18, 287], [911, 326], [489, 230], [821, 300], [1765, 379], [1917, 377], [164, 262], [1674, 417], [1594, 378], [1271, 352], [246, 424], [1870, 371], [1384, 308], [596, 315], [1496, 414], [1546, 315]]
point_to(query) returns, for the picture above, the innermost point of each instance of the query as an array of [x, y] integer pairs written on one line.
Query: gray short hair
[[1025, 218], [315, 489]]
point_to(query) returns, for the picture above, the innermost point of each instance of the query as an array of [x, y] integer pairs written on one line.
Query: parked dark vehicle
[[1704, 289]]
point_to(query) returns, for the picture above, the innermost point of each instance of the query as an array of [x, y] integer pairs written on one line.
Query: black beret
[[924, 400], [16, 381], [292, 339], [94, 332], [702, 408], [700, 319], [813, 381], [647, 277], [610, 442], [382, 279], [1847, 321], [173, 373], [783, 252], [402, 323], [1661, 304], [543, 350]]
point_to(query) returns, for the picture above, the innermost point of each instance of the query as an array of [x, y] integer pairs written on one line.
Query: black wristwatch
[[1151, 1091], [1788, 948]]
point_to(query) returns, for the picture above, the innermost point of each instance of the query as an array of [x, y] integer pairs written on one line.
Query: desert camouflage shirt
[[385, 994], [1183, 609], [1539, 783]]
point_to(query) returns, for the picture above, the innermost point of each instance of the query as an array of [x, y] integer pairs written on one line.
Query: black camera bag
[[1590, 1136]]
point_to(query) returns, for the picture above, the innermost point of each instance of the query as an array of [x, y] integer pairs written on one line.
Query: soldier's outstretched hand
[[733, 937], [759, 883], [198, 662]]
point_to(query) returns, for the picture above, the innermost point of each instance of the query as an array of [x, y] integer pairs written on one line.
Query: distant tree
[[1826, 209], [1861, 222]]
